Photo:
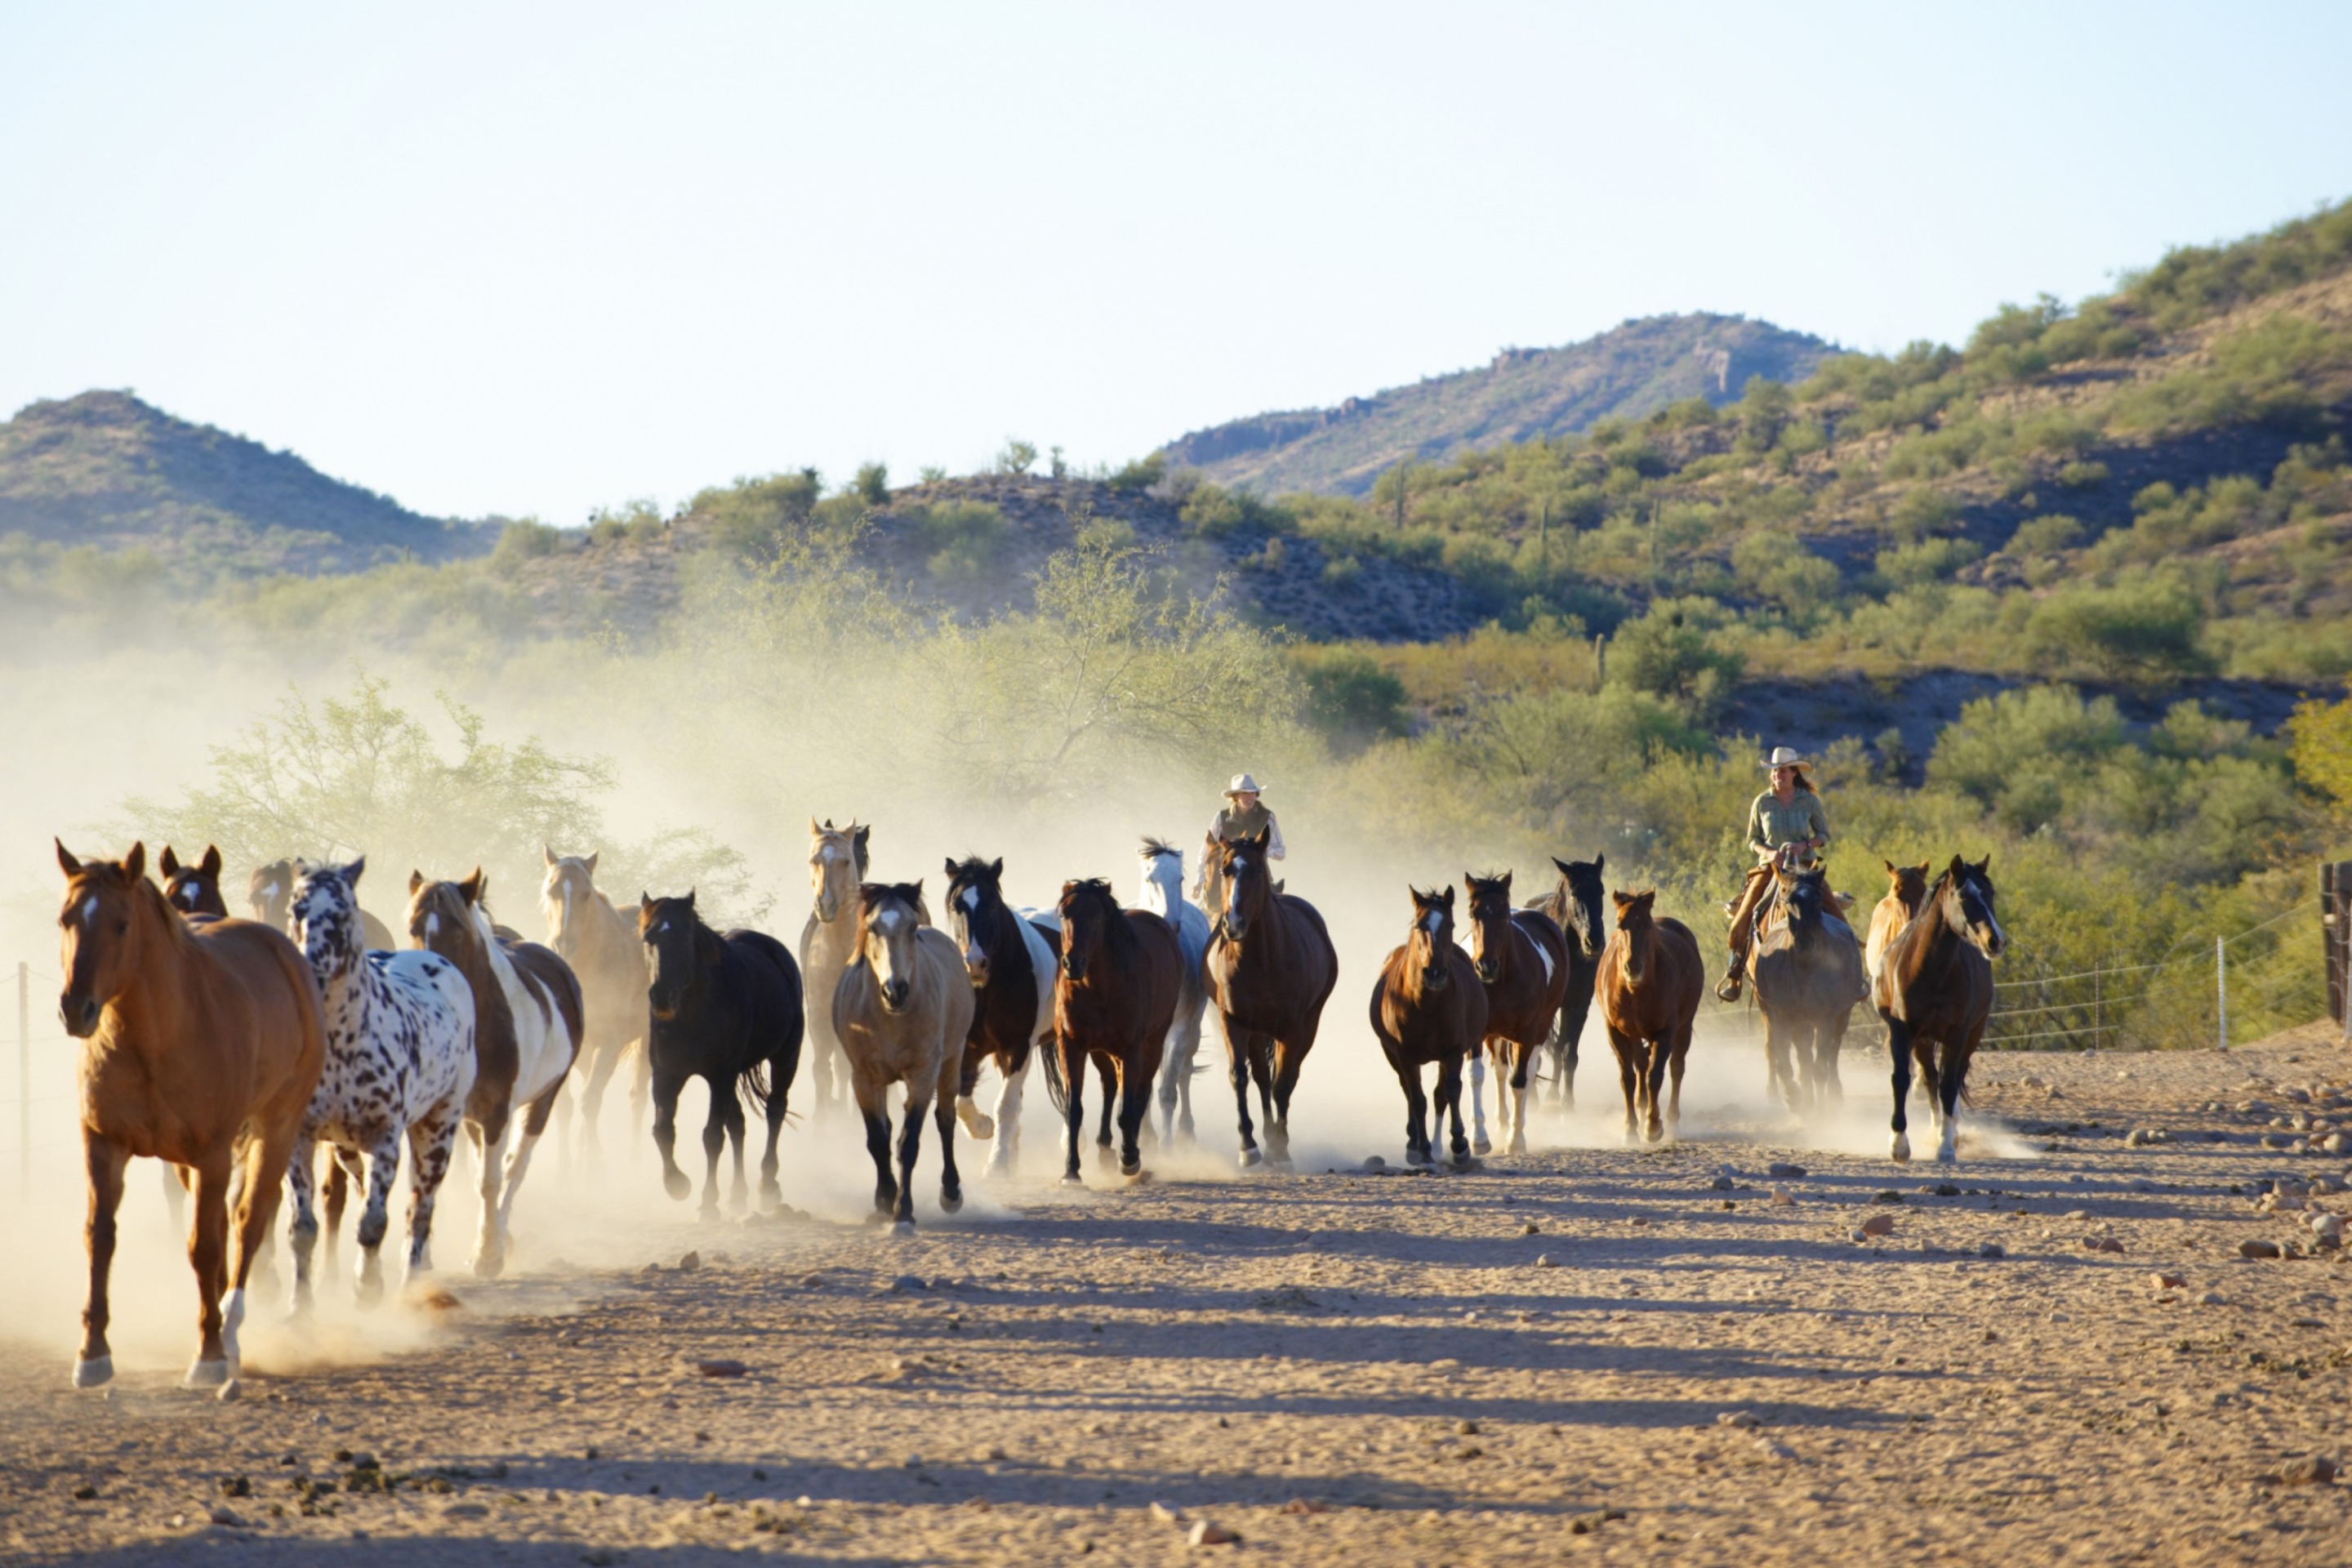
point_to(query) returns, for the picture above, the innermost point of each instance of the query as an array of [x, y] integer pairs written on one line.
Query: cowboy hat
[[1242, 784], [1783, 757]]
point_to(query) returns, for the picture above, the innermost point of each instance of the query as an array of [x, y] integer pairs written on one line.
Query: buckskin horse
[[1521, 957], [1163, 895], [1270, 968], [726, 1010], [902, 1011], [1121, 973], [837, 858], [602, 947], [1807, 975], [201, 1045], [1649, 987], [1428, 1006], [1935, 993], [1574, 905], [1012, 969]]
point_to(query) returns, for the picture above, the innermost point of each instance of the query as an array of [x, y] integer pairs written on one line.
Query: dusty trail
[[1529, 1361]]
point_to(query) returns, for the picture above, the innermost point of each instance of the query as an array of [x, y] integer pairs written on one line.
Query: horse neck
[[160, 988], [1268, 937], [1931, 939]]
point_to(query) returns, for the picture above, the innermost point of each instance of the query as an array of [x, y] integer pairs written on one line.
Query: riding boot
[[1727, 988]]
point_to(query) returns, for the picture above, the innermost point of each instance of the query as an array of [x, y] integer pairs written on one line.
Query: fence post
[[24, 1080], [2222, 986], [2098, 1014]]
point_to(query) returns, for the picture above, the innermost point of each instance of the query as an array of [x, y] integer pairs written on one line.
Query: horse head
[[571, 882], [1637, 923], [888, 916], [325, 912], [102, 932], [1087, 909], [1969, 904], [1580, 887], [1804, 894], [836, 864], [975, 906], [1430, 945], [1490, 922], [269, 892], [680, 946], [192, 890], [1248, 884], [442, 917], [1163, 877], [1908, 885]]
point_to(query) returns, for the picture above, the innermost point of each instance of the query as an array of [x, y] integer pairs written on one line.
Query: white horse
[[1163, 895]]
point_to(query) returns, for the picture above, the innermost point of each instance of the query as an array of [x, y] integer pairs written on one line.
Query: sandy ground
[[1586, 1351]]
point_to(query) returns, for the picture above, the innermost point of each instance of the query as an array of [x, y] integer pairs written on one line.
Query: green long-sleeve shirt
[[1772, 824]]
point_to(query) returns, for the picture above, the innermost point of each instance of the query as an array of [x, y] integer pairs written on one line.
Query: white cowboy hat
[[1242, 784], [1783, 757]]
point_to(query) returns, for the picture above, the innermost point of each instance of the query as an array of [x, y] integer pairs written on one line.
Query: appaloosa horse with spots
[[1575, 906], [1011, 963], [601, 945], [1936, 994], [1121, 973], [1521, 957], [1651, 977], [903, 1010], [1428, 1006], [1270, 968]]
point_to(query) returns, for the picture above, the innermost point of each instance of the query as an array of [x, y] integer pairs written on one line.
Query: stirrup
[[1727, 988]]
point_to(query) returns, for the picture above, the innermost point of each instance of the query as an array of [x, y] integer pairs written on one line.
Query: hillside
[[1522, 395], [106, 470]]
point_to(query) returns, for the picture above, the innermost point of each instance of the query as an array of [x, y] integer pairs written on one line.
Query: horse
[[1521, 956], [902, 1012], [1114, 999], [1011, 965], [837, 859], [605, 956], [202, 1044], [1935, 993], [1574, 906], [1269, 969], [1907, 888], [726, 1010], [1428, 1006], [269, 894], [1649, 987], [399, 1063], [1163, 895], [528, 1013], [194, 889], [1808, 976]]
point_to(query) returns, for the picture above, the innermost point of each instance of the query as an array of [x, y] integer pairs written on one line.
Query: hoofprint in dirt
[[1625, 1353]]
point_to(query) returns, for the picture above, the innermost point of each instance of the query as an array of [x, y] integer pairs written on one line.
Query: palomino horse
[[1935, 993], [1121, 972], [1521, 957], [1807, 975], [1011, 968], [602, 947], [726, 1010], [1163, 895], [902, 1011], [527, 1034], [1574, 905], [269, 894], [1270, 968], [194, 889], [838, 860], [1429, 1006], [202, 1046], [1649, 987], [400, 1063], [1906, 889]]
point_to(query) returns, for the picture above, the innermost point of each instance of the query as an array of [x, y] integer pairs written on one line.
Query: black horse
[[726, 1010], [1576, 904]]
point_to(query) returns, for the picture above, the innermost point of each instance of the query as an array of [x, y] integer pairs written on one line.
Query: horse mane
[[1153, 848], [870, 894], [970, 870], [1091, 886]]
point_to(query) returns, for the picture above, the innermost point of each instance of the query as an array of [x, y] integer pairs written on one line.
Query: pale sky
[[498, 259]]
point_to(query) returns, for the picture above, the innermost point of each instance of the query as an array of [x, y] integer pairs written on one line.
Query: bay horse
[[1521, 956], [902, 1011], [1906, 889], [602, 947], [1114, 999], [399, 1065], [269, 894], [1575, 905], [528, 1015], [838, 860], [194, 889], [1649, 986], [1163, 895], [1270, 967], [1011, 965], [1935, 993], [201, 1045], [1428, 1006], [726, 1010], [1808, 974]]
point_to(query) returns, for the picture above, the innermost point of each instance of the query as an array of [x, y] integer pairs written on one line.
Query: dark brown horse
[[1521, 957], [1011, 966], [1429, 1006], [1807, 975], [1935, 993], [1113, 1002], [203, 1046], [1270, 968], [1575, 906], [194, 889], [1649, 987]]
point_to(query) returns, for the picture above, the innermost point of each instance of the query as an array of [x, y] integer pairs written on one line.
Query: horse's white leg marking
[[1478, 1144], [1007, 1151], [1947, 1145], [1518, 1097], [517, 1163], [233, 1318], [1899, 1148], [974, 1121]]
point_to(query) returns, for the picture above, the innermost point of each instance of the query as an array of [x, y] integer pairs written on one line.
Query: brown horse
[[194, 889], [1270, 968], [902, 1010], [1574, 905], [1807, 975], [1935, 995], [1521, 956], [601, 945], [1906, 889], [1651, 977], [1114, 999], [1429, 1006], [203, 1046]]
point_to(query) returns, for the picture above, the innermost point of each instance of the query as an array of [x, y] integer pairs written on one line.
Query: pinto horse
[[1012, 969], [1649, 986], [602, 947], [1270, 967], [1163, 895], [1521, 957], [1428, 1006], [726, 1010], [1906, 889], [202, 1044], [1935, 993], [1574, 906], [837, 859], [1807, 975], [1121, 973], [194, 889], [903, 1010]]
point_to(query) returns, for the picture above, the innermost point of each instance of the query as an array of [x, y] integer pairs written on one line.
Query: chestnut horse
[[1649, 986], [902, 1011], [1906, 889], [1574, 905], [1011, 968], [202, 1045], [837, 859], [194, 889], [1807, 975], [602, 947], [1521, 957], [1270, 968], [1429, 1006], [1935, 993], [1116, 995]]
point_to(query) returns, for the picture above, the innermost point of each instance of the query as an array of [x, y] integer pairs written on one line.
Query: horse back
[[555, 986], [1163, 969], [766, 983]]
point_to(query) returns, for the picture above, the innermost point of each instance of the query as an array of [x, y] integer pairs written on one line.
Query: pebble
[[2318, 1470], [1209, 1533], [906, 1283], [1374, 1163], [2167, 1281], [225, 1516], [1543, 1261], [1781, 1171], [1531, 1228], [1781, 1198], [2102, 1244], [1778, 1453], [2258, 1249], [1722, 1185], [1742, 1420], [2211, 1299], [1877, 1225], [1166, 1515], [1993, 1249], [720, 1367], [690, 1262], [229, 1393]]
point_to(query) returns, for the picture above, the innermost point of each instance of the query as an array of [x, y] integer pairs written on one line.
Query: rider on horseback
[[1243, 818], [1786, 823]]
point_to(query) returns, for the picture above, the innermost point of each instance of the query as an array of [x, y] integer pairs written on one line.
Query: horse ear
[[690, 897], [1598, 862], [1562, 864], [1888, 864], [1262, 837], [211, 864], [134, 865], [1449, 895], [415, 881], [1985, 865], [1957, 867], [996, 867], [593, 855], [1507, 883], [66, 861], [547, 855], [814, 828], [350, 873], [169, 864], [474, 885], [1465, 879], [1923, 868], [645, 905], [859, 838]]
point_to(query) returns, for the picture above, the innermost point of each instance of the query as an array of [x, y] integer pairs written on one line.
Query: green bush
[[872, 484], [1349, 696], [962, 540], [1929, 561], [1140, 474], [2139, 631], [525, 538]]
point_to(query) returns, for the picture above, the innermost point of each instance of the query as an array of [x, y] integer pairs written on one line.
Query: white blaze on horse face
[[89, 910], [1432, 920], [431, 927]]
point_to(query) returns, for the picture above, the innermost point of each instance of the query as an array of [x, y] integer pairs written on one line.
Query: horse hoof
[[1899, 1149], [1462, 1159], [997, 1170], [1249, 1157], [980, 1124], [368, 1293], [1418, 1157], [1072, 1179], [902, 1227], [1480, 1146], [489, 1265], [676, 1184], [951, 1202], [207, 1373], [1131, 1170], [93, 1373]]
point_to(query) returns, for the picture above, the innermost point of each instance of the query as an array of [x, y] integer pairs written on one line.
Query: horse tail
[[754, 1079], [1049, 1048]]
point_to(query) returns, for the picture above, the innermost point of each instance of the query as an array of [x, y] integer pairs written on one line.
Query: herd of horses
[[233, 1049]]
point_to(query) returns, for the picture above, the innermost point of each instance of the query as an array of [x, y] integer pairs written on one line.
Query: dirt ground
[[1589, 1351]]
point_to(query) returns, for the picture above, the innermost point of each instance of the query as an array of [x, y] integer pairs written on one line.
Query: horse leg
[[1948, 1095], [175, 1191], [1173, 1065], [738, 1193], [1286, 1064], [1106, 1070], [910, 1142], [261, 1166], [1514, 1093], [1676, 1059], [873, 1104], [104, 1159], [1416, 1107], [207, 1250], [376, 1216], [1237, 1069], [714, 1142], [303, 1234], [605, 1058], [534, 1122], [1074, 1111], [968, 1080], [780, 1089], [1832, 1045], [430, 1138], [1007, 1150], [1278, 1132], [489, 1138], [343, 1168], [1478, 1144], [951, 1179], [1188, 1052], [1898, 1046], [641, 1080], [664, 1096], [1449, 1104], [1653, 1082], [1134, 1107]]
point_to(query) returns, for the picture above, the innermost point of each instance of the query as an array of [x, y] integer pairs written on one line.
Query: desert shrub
[[872, 484], [1349, 696], [2082, 476], [1139, 474], [1929, 561], [1016, 457], [2045, 535], [751, 516], [962, 540], [2140, 630], [525, 538], [1777, 566], [1667, 654], [1212, 511]]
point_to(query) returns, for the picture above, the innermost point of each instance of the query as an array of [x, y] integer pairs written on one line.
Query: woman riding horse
[[1785, 820], [1243, 818]]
